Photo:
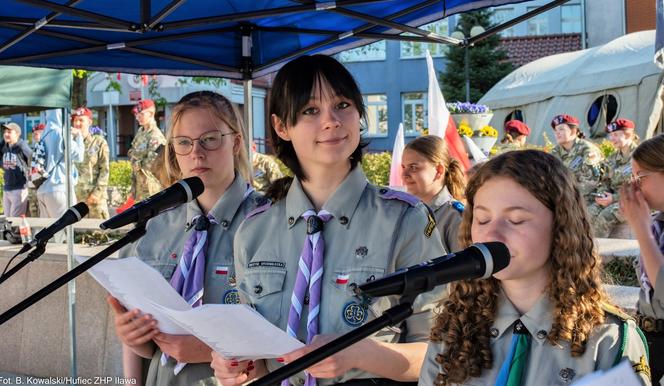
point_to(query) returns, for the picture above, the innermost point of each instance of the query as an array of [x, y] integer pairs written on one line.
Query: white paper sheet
[[137, 285], [620, 375], [234, 331]]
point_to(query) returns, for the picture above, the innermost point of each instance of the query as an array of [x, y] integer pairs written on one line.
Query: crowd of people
[[297, 253]]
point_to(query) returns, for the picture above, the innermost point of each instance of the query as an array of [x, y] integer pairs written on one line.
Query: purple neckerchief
[[657, 229], [309, 274], [189, 277]]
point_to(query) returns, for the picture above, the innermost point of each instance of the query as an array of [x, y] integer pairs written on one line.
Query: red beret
[[517, 126], [81, 112], [143, 105], [619, 124], [39, 126], [564, 118]]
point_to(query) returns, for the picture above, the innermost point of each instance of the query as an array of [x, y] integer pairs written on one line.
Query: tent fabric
[[29, 89], [202, 38], [569, 83]]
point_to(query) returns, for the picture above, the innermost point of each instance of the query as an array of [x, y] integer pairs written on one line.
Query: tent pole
[[71, 286], [247, 69]]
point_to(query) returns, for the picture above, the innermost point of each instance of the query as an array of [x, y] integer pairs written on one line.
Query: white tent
[[572, 82]]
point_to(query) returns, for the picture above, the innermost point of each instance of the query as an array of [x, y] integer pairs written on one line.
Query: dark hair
[[291, 91]]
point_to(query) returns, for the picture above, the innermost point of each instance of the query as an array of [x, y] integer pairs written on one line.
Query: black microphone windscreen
[[82, 209], [195, 184], [500, 254]]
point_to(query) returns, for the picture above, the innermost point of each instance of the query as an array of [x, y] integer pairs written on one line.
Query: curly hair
[[575, 286], [434, 149]]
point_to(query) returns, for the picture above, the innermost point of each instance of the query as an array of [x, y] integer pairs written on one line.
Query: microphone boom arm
[[130, 237]]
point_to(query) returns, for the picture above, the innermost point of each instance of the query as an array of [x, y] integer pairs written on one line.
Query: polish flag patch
[[221, 270], [342, 279]]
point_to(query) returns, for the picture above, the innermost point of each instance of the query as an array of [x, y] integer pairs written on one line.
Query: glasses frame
[[193, 140], [636, 179]]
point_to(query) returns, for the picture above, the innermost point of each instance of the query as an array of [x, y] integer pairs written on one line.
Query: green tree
[[488, 63]]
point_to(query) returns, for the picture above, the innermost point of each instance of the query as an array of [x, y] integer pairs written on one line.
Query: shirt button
[[291, 220], [224, 223], [300, 381], [382, 191], [541, 334], [343, 220], [258, 289], [494, 332]]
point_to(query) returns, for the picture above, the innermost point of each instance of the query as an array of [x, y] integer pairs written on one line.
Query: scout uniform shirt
[[447, 212], [583, 160], [616, 171], [142, 155], [93, 175], [372, 232], [548, 364], [161, 248], [651, 300]]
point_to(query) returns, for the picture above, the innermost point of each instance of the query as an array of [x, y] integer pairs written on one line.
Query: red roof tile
[[525, 49]]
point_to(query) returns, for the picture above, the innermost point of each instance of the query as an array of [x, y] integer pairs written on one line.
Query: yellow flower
[[488, 131], [464, 129]]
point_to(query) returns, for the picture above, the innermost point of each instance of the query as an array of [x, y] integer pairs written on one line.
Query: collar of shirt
[[538, 318], [226, 206], [625, 158], [342, 203], [441, 198]]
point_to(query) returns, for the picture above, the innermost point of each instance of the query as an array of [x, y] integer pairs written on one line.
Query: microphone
[[179, 193], [71, 216], [480, 260]]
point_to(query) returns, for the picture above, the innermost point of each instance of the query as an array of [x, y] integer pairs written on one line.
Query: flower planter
[[485, 143], [475, 121]]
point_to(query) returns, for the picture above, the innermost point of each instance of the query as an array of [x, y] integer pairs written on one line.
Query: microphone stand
[[130, 237], [32, 256], [390, 317]]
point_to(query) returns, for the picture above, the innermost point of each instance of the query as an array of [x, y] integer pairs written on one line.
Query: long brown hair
[[221, 109], [468, 313], [650, 154], [434, 149]]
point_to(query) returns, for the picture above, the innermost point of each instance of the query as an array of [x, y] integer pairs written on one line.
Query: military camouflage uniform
[[143, 152], [93, 175], [616, 171], [583, 159], [266, 170]]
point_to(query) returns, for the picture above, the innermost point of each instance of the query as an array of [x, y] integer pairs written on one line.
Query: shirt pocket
[[263, 288], [350, 312]]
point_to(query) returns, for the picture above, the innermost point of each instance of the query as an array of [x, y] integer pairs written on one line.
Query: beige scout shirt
[[447, 213], [161, 248], [547, 364], [368, 237]]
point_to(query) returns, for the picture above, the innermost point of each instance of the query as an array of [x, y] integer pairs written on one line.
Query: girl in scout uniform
[[543, 320], [637, 200], [433, 176], [191, 245], [616, 171], [330, 228], [582, 157]]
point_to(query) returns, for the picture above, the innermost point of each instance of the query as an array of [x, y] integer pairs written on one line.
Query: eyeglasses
[[636, 179], [210, 140]]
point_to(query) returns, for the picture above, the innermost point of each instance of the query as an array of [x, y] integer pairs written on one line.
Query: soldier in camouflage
[[616, 171], [516, 135], [582, 157], [93, 172], [266, 170], [146, 146]]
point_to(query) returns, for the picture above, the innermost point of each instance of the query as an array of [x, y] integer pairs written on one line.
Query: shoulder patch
[[458, 206], [615, 311], [262, 208], [642, 366], [391, 194]]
